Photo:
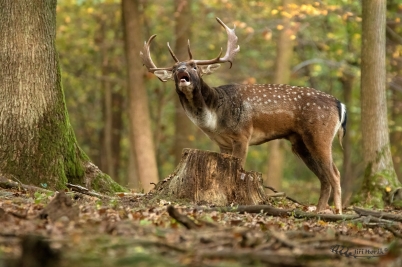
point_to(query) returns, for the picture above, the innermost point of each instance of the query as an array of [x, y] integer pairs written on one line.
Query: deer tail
[[343, 116]]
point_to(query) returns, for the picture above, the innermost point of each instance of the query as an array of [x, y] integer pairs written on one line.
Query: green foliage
[[42, 198], [328, 43]]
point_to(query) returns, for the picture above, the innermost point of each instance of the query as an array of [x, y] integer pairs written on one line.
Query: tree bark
[[284, 53], [393, 33], [184, 128], [106, 87], [139, 118], [37, 143], [213, 178], [379, 178], [347, 181]]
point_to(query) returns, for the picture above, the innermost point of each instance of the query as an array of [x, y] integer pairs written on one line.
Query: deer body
[[236, 116]]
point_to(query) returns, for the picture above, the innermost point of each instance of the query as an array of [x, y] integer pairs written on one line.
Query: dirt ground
[[75, 229]]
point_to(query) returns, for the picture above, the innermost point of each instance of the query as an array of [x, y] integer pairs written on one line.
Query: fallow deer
[[237, 115]]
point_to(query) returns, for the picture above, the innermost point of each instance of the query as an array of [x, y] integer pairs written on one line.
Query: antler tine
[[189, 50], [146, 54], [171, 53], [146, 57], [231, 49]]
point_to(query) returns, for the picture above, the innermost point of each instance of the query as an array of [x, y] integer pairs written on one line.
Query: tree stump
[[213, 178]]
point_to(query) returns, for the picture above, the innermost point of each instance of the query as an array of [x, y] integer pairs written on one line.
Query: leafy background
[[327, 49]]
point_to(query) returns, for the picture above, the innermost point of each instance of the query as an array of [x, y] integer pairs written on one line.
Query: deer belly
[[259, 136]]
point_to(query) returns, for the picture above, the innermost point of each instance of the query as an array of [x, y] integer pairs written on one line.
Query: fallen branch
[[268, 210], [378, 214], [271, 211], [182, 219], [187, 221], [281, 237], [84, 190], [9, 184], [288, 198], [360, 242], [274, 258], [279, 194], [324, 217]]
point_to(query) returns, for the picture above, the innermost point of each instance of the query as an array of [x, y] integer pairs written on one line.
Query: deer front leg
[[240, 148], [225, 150]]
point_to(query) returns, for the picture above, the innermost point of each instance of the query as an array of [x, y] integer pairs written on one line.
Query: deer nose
[[181, 68]]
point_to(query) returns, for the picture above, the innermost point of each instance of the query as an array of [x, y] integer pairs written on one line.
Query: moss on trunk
[[37, 142], [380, 183]]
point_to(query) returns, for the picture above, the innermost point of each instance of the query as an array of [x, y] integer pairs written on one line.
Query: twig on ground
[[269, 210], [324, 217], [182, 219], [378, 214], [289, 198], [9, 184], [359, 242], [279, 194], [281, 237], [83, 190]]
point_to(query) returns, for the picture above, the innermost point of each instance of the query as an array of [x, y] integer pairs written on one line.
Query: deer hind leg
[[319, 160], [323, 156]]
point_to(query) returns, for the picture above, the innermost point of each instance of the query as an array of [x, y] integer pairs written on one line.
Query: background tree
[[326, 56], [379, 178], [141, 137], [184, 128], [284, 50], [38, 145]]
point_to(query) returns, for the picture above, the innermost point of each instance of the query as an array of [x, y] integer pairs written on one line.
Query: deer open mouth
[[184, 78]]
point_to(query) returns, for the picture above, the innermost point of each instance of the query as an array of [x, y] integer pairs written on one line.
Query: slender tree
[[380, 181], [284, 52], [184, 128], [37, 142], [140, 125]]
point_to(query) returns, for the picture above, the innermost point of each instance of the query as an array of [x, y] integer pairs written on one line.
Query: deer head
[[191, 69]]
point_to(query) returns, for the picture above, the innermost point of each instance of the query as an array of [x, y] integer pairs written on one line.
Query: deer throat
[[188, 90]]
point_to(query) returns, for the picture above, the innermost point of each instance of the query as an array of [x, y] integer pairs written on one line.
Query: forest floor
[[74, 229]]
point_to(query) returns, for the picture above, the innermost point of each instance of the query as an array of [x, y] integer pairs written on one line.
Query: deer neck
[[199, 103], [197, 97]]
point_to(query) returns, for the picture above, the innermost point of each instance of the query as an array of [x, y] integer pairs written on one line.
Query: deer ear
[[209, 69], [164, 75]]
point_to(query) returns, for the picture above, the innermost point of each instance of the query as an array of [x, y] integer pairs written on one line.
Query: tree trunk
[[38, 145], [394, 40], [284, 53], [106, 87], [184, 128], [379, 178], [347, 181], [139, 119], [213, 178]]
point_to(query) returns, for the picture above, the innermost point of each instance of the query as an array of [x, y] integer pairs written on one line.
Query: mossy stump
[[214, 178]]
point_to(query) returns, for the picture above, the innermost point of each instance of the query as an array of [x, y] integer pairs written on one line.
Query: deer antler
[[231, 51], [146, 57]]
